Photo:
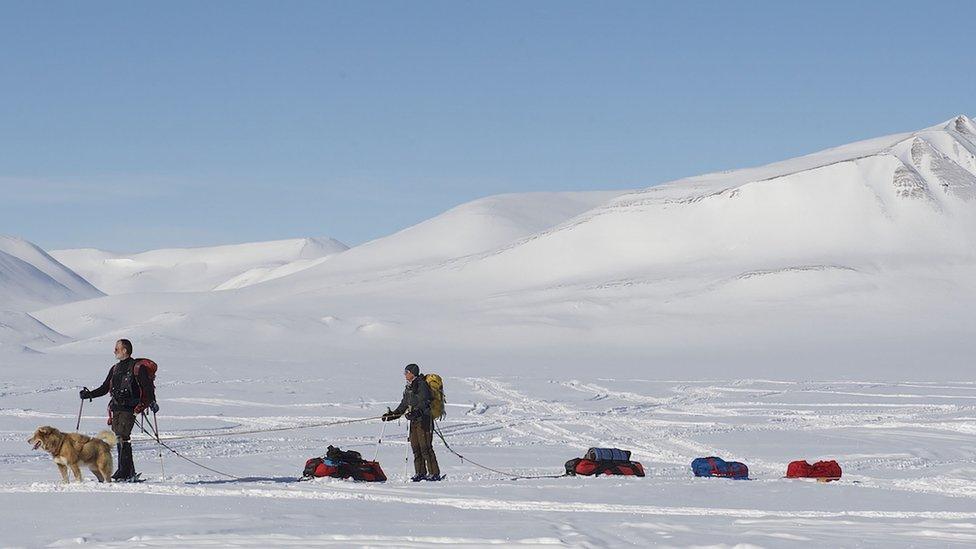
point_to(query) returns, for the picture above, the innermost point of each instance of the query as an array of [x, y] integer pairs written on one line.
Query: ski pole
[[379, 441], [78, 425], [406, 454], [159, 448], [155, 426]]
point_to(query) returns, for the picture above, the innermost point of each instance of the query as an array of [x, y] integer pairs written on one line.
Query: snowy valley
[[819, 307]]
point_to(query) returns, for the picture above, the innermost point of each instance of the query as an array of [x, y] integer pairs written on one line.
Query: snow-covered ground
[[820, 307], [908, 451]]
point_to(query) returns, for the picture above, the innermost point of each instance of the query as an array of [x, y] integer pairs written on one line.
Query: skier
[[132, 392], [415, 405]]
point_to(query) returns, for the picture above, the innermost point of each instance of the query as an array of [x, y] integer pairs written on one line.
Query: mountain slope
[[32, 279], [471, 228], [21, 332], [197, 269]]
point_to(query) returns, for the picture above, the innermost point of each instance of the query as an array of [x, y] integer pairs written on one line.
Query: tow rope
[[256, 431], [154, 436], [511, 476]]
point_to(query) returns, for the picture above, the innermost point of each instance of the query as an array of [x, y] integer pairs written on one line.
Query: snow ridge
[[198, 269], [32, 279]]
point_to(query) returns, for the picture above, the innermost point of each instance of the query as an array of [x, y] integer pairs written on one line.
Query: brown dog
[[70, 449]]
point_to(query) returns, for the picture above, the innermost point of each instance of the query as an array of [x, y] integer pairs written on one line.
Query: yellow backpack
[[437, 399]]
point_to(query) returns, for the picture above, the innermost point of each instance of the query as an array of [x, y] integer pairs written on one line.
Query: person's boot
[[420, 471], [119, 469], [129, 468]]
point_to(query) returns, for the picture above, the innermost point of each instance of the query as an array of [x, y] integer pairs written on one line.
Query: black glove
[[154, 407], [414, 414], [389, 415], [85, 393]]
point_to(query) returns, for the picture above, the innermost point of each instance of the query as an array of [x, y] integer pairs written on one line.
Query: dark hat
[[413, 369]]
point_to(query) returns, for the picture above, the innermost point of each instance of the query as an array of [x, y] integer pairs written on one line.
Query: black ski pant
[[422, 443], [122, 423]]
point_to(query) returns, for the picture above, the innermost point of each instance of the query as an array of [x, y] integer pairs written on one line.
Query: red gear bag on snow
[[344, 464], [366, 471], [821, 469], [604, 461]]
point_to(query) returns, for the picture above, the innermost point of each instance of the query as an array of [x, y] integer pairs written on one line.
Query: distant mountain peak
[[963, 124]]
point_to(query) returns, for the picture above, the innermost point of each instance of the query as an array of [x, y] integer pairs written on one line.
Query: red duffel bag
[[821, 469], [591, 467]]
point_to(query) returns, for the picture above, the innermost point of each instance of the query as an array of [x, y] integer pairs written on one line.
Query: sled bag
[[366, 471], [592, 467], [320, 467], [820, 469], [607, 454], [718, 467]]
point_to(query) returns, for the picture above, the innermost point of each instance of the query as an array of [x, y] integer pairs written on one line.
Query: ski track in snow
[[897, 443]]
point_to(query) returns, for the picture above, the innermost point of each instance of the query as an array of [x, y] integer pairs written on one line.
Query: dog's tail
[[108, 437]]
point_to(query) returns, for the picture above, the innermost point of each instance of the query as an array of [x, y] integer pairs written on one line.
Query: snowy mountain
[[31, 279], [901, 196], [474, 227], [906, 195], [822, 253], [198, 269], [470, 228]]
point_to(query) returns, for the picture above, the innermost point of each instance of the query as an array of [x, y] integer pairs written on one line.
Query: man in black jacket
[[415, 405], [132, 392]]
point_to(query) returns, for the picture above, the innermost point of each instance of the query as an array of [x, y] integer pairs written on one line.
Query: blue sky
[[130, 126]]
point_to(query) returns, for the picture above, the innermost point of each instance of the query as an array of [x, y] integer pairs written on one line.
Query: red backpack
[[151, 368]]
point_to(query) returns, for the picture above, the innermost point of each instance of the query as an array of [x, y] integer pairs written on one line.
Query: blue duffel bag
[[718, 467]]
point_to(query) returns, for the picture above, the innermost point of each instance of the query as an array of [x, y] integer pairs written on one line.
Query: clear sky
[[136, 125]]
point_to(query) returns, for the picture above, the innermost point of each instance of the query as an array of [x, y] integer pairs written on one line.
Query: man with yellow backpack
[[423, 401]]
